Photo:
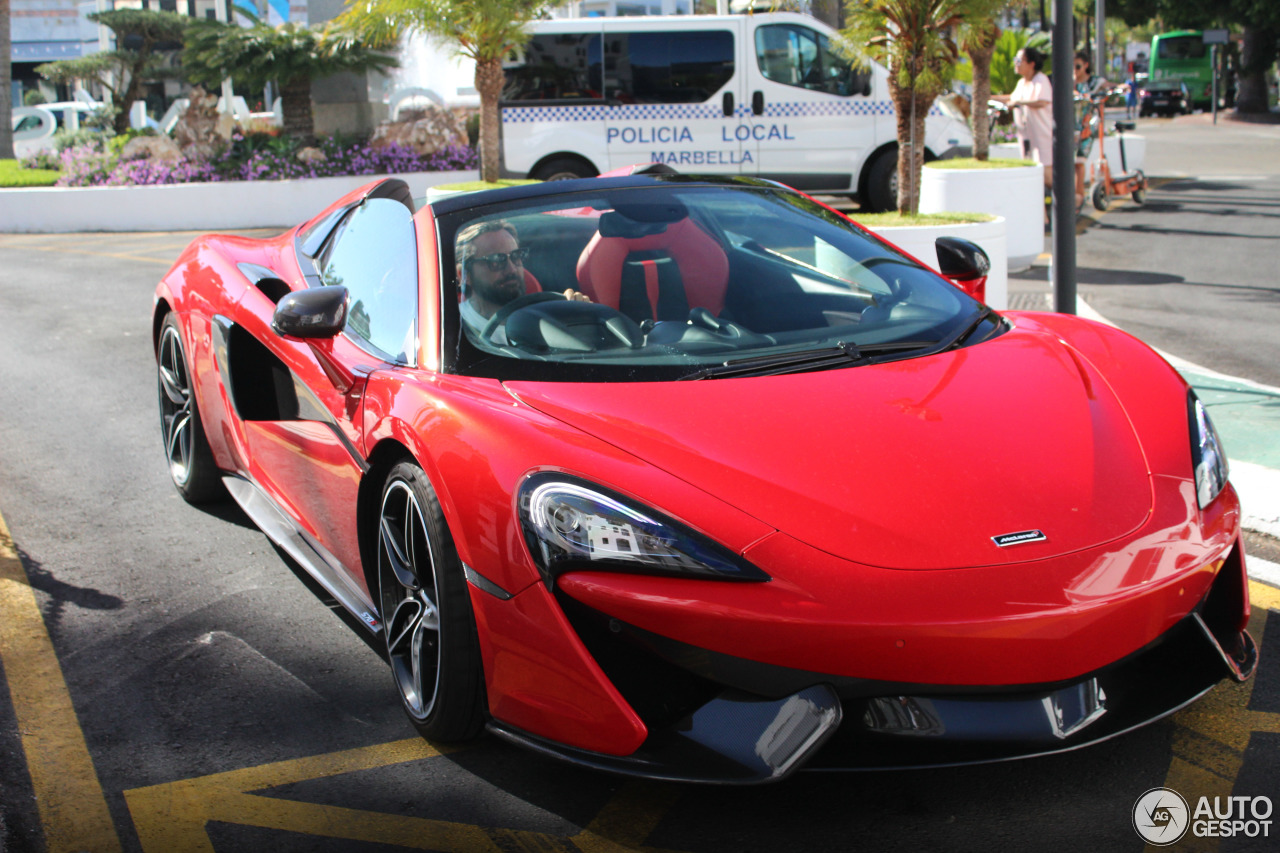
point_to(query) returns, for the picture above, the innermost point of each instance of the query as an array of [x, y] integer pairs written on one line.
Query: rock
[[201, 131], [311, 155], [150, 148], [425, 130]]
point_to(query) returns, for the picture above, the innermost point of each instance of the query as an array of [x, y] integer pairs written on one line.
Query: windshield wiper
[[821, 358], [957, 339]]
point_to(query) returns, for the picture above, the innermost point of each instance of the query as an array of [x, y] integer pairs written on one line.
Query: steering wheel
[[499, 318]]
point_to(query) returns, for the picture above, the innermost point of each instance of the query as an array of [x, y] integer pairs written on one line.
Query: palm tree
[[913, 38], [978, 37], [141, 36], [6, 88], [482, 30], [291, 55]]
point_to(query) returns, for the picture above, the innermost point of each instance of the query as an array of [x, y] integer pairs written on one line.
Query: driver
[[491, 272]]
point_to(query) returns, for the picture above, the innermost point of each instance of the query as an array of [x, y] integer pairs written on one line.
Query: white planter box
[[190, 207], [1017, 194], [1135, 152], [917, 240]]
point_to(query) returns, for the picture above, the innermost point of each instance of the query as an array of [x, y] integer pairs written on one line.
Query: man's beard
[[502, 291]]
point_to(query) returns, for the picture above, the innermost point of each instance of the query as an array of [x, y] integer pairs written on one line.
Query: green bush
[[12, 174]]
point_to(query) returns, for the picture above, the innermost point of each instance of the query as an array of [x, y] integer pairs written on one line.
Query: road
[[173, 685], [1194, 271]]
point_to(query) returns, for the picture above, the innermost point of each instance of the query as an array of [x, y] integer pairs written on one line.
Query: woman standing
[[1032, 102]]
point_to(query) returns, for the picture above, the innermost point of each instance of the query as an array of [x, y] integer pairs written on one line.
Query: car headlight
[[1209, 462], [572, 525]]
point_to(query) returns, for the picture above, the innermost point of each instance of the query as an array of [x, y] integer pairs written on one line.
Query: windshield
[[684, 280]]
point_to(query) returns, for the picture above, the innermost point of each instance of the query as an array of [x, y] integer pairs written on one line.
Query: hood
[[911, 465]]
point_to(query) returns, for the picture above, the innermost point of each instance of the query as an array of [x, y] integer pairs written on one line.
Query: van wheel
[[563, 169], [882, 183]]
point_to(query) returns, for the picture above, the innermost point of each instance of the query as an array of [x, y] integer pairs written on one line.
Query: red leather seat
[[531, 284], [703, 268]]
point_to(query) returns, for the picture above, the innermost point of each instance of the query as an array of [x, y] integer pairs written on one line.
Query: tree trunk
[[6, 87], [910, 158], [299, 121], [980, 56], [830, 12], [134, 87], [489, 81], [1256, 55]]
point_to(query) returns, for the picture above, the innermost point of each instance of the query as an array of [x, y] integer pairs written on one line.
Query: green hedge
[[13, 175]]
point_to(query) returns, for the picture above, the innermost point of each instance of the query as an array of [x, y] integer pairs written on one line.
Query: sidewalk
[[1246, 414]]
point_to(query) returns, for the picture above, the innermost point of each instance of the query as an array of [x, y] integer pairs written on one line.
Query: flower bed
[[257, 157]]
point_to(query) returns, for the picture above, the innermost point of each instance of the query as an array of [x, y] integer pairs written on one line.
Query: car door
[[302, 424], [812, 119]]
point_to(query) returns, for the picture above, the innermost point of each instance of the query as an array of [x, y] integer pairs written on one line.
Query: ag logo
[[1161, 816]]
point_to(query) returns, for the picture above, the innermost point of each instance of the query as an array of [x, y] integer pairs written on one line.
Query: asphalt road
[[192, 693], [1195, 270]]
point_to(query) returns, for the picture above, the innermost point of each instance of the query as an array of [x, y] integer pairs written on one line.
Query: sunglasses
[[498, 260]]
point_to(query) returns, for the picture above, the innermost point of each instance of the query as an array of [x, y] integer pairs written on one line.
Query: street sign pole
[[1064, 158], [1213, 63]]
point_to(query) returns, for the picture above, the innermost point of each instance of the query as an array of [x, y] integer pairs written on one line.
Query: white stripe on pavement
[[1263, 570], [1259, 490]]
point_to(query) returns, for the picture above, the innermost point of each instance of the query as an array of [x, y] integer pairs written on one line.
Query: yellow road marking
[[73, 810], [1210, 737], [119, 255], [172, 816]]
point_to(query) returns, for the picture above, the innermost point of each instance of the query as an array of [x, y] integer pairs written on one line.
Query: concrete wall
[[189, 207]]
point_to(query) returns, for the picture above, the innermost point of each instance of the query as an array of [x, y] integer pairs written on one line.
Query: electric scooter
[[1106, 185]]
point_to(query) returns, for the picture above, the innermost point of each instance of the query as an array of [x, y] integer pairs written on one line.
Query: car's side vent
[[261, 385], [273, 288]]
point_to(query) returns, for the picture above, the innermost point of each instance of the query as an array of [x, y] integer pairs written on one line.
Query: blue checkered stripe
[[805, 109], [833, 108], [693, 112], [624, 112]]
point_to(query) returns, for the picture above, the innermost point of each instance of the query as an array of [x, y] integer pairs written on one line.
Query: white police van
[[765, 95]]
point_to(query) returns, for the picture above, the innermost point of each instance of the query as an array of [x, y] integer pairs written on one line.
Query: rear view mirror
[[317, 312]]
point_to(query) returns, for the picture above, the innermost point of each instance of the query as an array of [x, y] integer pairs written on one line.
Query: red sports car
[[696, 479]]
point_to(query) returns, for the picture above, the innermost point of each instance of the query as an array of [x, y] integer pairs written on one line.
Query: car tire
[[191, 466], [426, 611], [881, 194], [563, 169]]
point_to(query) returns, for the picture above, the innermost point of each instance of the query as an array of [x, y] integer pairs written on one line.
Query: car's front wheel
[[191, 465], [426, 611]]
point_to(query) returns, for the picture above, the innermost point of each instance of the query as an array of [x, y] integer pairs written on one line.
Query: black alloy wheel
[[190, 461], [426, 611]]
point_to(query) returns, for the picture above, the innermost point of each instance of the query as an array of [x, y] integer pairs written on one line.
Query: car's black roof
[[462, 201]]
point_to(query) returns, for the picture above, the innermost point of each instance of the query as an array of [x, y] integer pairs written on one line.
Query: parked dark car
[[1163, 97]]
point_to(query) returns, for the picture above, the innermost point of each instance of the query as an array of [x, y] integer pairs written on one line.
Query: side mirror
[[317, 312], [965, 264]]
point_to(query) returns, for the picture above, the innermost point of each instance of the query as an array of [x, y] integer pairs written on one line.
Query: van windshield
[[685, 280]]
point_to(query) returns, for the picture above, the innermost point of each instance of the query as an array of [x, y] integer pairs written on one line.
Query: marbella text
[[679, 135], [1230, 817]]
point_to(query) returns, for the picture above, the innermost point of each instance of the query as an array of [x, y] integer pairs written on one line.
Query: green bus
[[1184, 56]]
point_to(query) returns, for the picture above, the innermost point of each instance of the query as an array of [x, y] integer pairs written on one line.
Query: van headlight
[[573, 525], [1209, 462]]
